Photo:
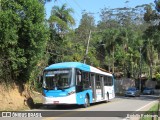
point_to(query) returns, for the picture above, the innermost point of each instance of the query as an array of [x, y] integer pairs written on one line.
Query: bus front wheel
[[86, 102]]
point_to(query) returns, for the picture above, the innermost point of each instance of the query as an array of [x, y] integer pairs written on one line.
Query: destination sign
[[56, 72]]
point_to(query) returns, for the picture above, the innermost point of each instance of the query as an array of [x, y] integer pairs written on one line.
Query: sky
[[92, 6]]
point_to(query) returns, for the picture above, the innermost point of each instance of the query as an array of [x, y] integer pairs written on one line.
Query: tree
[[85, 32], [87, 24], [121, 31], [60, 23], [157, 2], [151, 36], [110, 40], [158, 76], [61, 18], [10, 55], [24, 35]]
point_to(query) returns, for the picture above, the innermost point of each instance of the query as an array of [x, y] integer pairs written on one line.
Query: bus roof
[[78, 65]]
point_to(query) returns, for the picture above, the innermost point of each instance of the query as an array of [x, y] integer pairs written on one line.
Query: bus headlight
[[71, 92]]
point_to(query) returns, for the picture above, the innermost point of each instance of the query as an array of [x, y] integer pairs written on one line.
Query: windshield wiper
[[49, 88]]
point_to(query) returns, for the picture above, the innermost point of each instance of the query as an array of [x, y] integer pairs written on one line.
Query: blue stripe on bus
[[69, 65]]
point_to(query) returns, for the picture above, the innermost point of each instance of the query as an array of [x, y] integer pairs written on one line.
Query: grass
[[152, 113]]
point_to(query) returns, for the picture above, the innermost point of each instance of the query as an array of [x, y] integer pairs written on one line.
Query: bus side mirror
[[79, 72], [79, 77]]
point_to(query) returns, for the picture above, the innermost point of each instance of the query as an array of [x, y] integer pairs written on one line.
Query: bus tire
[[86, 100]]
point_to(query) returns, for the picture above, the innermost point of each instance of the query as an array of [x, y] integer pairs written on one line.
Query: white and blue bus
[[76, 83]]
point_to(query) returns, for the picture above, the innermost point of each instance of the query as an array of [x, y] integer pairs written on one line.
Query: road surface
[[116, 109]]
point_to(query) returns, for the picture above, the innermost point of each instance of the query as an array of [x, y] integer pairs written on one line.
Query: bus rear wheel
[[107, 99], [86, 102]]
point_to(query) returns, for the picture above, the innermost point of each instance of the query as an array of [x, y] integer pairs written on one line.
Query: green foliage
[[11, 56], [152, 113], [34, 34], [23, 37], [61, 18], [157, 76], [28, 42], [87, 23], [59, 46]]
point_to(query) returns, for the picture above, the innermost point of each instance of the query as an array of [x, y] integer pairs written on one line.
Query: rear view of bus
[[76, 83]]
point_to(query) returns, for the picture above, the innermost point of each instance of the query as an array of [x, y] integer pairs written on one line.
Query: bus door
[[99, 90], [93, 85], [102, 87]]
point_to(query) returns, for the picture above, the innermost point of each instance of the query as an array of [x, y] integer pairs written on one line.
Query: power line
[[78, 5], [72, 7], [72, 52]]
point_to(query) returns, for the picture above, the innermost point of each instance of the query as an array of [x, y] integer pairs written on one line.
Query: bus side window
[[79, 77], [98, 86], [105, 81], [85, 80], [110, 81]]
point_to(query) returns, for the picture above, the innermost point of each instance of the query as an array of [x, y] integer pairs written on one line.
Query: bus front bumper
[[71, 99]]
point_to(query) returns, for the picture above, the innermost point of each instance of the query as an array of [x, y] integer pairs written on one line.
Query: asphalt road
[[116, 109]]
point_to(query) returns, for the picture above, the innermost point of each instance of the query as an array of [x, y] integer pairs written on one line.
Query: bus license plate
[[55, 102]]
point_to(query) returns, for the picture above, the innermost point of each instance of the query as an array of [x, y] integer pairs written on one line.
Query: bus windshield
[[57, 79]]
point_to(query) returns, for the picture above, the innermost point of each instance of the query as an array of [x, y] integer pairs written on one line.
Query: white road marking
[[141, 109], [146, 105]]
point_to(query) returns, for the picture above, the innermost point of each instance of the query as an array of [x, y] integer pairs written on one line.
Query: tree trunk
[[151, 66], [113, 61]]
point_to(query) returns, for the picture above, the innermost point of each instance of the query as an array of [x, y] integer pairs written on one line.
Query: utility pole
[[140, 68], [85, 56]]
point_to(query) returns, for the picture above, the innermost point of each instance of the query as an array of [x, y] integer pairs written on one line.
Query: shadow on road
[[40, 106], [61, 107], [56, 107]]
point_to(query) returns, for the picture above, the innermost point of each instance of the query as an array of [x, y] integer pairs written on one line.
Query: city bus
[[76, 83]]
